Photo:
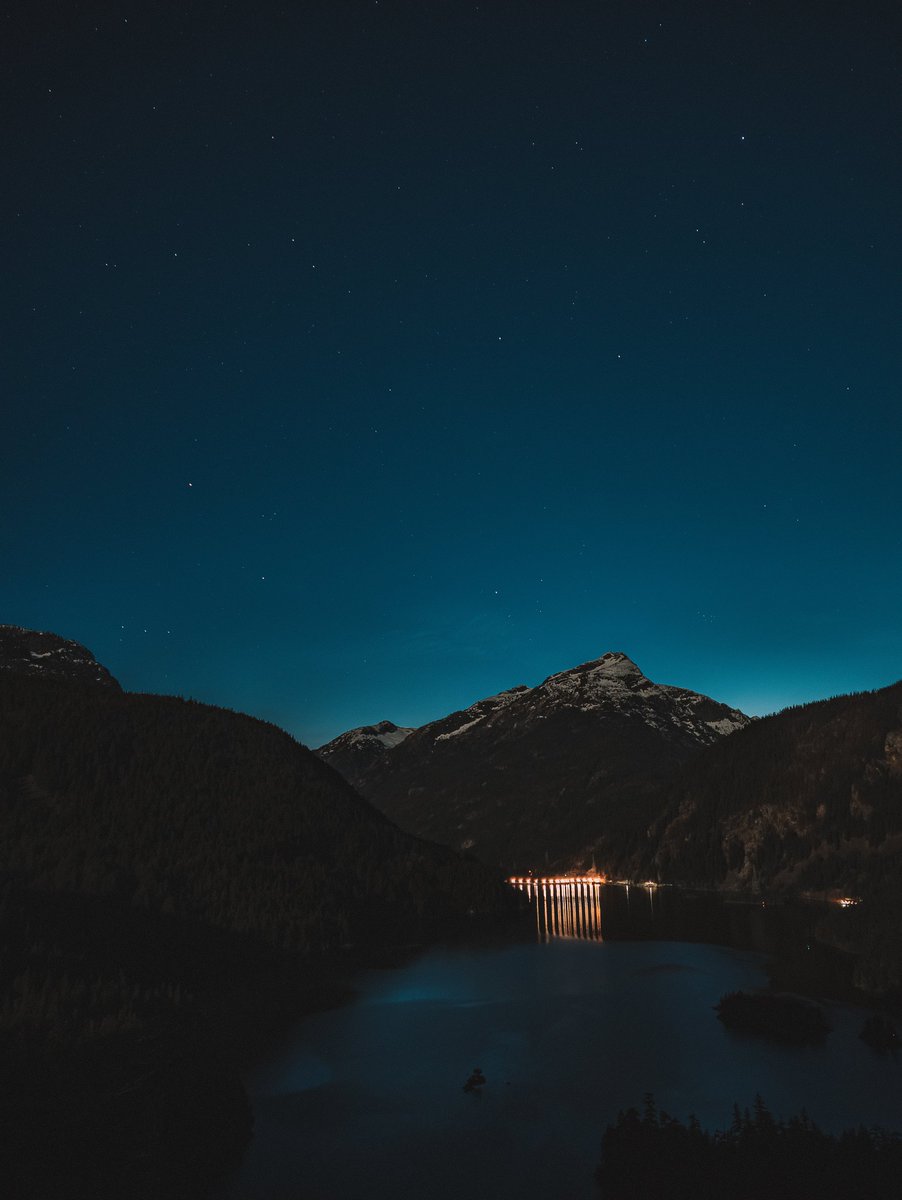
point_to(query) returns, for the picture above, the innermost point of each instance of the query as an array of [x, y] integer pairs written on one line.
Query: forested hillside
[[184, 809], [159, 859], [810, 798]]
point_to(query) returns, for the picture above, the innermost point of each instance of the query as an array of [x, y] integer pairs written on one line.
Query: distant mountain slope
[[810, 797], [30, 652], [531, 777], [355, 754]]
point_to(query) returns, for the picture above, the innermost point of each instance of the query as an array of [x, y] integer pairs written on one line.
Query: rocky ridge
[[35, 653]]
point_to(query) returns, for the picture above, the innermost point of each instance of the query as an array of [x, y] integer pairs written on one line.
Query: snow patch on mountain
[[384, 733], [392, 737], [479, 711], [729, 724], [443, 737]]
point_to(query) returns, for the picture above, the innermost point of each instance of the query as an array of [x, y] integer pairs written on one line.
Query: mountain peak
[[366, 742], [616, 664], [49, 656], [381, 727], [613, 670]]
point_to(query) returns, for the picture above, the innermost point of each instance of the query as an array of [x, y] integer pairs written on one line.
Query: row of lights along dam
[[596, 880], [568, 906]]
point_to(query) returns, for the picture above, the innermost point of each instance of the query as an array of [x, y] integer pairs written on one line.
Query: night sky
[[364, 359]]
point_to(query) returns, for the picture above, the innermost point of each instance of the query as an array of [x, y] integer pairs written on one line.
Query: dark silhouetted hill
[[810, 798]]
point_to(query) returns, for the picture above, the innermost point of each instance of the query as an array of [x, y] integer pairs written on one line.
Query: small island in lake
[[880, 1034], [784, 1018]]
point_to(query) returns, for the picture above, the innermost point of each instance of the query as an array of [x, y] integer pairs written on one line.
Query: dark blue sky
[[362, 359]]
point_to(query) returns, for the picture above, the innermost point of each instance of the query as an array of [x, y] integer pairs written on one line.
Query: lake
[[569, 1024]]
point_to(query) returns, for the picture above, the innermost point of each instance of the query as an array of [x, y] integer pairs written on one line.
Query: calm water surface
[[368, 1100]]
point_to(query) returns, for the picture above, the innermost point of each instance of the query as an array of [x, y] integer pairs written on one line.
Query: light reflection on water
[[368, 1099], [572, 909], [566, 910]]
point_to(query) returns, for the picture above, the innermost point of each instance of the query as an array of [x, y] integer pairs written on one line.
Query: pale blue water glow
[[367, 1100]]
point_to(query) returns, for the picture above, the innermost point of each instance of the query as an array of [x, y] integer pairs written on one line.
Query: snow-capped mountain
[[356, 752], [614, 683], [537, 775], [30, 652]]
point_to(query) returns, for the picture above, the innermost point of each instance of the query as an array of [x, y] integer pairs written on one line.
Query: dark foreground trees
[[756, 1158], [175, 881]]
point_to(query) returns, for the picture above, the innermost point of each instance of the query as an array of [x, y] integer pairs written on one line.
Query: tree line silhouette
[[756, 1158]]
